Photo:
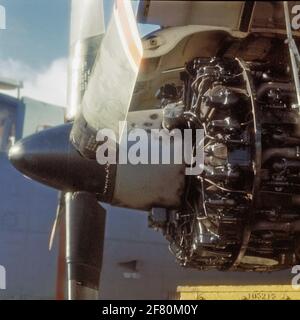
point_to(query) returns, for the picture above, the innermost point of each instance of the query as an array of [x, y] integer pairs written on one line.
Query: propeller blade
[[61, 260], [87, 30], [86, 34], [111, 85], [85, 228], [59, 213]]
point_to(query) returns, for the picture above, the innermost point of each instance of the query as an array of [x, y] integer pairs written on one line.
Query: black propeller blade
[[85, 228]]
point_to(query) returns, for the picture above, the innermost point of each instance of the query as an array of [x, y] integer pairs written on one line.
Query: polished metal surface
[[76, 291]]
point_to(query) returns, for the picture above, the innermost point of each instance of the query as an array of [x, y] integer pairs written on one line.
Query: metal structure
[[10, 84], [135, 257], [220, 67]]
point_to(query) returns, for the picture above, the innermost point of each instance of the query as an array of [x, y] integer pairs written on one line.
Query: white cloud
[[47, 84]]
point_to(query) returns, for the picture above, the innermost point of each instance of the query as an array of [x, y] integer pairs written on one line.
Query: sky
[[34, 47]]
